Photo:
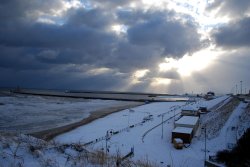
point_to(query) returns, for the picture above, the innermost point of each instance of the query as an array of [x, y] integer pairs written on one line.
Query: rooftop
[[189, 108], [183, 130], [187, 120]]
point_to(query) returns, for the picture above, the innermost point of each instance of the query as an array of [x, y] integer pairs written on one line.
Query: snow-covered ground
[[28, 114], [20, 151], [153, 147]]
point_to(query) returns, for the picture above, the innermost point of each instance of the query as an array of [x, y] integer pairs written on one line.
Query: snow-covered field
[[129, 131], [28, 114], [153, 147]]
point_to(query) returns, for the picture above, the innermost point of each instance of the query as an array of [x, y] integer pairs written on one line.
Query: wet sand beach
[[48, 116], [51, 133]]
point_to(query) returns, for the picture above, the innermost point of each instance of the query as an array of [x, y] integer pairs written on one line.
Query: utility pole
[[162, 126], [241, 87], [174, 114], [205, 150], [236, 90], [205, 142]]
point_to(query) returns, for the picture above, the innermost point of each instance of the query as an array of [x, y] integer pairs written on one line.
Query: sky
[[163, 46]]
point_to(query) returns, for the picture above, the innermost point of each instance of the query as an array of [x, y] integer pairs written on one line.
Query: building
[[202, 109], [185, 128], [209, 95], [183, 133], [189, 111], [188, 122]]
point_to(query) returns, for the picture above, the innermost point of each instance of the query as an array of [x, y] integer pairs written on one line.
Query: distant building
[[189, 111], [211, 93], [209, 96], [202, 109]]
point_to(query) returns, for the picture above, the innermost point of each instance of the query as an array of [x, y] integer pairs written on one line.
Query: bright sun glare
[[119, 28], [138, 74], [189, 64], [160, 81]]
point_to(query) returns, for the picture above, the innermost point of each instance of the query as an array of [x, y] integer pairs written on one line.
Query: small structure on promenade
[[185, 128], [183, 133], [189, 111]]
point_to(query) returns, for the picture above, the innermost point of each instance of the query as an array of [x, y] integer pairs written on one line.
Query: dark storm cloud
[[52, 36], [20, 59], [58, 79], [128, 57], [33, 51], [95, 18], [13, 10], [160, 30], [111, 4], [173, 37], [232, 8], [72, 44], [234, 34], [86, 41], [135, 16]]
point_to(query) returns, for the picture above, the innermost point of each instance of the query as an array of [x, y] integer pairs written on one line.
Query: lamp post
[[128, 119], [241, 87], [162, 115], [236, 90], [205, 128], [162, 126], [174, 114]]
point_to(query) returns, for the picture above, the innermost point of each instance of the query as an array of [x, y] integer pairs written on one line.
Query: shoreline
[[53, 132], [107, 96]]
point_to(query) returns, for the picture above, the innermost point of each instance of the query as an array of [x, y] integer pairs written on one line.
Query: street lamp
[[236, 90], [241, 87], [205, 128], [174, 114], [162, 115]]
